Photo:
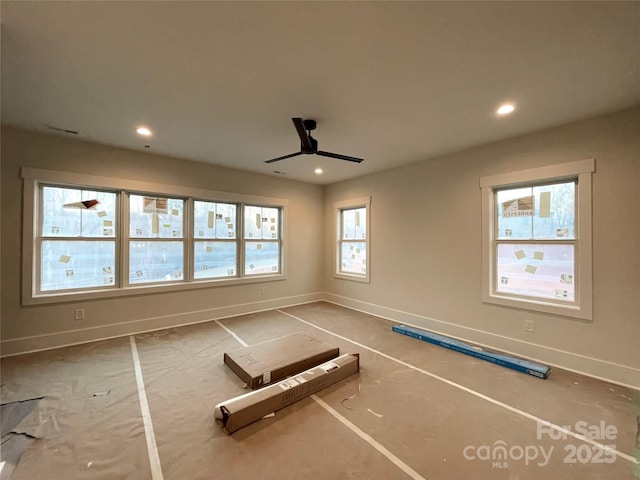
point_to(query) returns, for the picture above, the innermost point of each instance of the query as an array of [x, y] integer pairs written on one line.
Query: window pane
[[261, 223], [543, 271], [215, 259], [515, 213], [70, 264], [155, 261], [555, 211], [354, 224], [214, 220], [261, 258], [155, 217], [353, 257], [541, 212], [68, 212]]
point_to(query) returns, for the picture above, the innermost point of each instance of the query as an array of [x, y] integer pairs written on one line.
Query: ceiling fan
[[309, 145]]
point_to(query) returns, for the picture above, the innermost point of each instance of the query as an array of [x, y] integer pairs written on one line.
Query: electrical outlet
[[79, 314], [529, 326]]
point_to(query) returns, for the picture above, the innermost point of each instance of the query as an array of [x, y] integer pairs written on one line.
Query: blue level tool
[[531, 368]]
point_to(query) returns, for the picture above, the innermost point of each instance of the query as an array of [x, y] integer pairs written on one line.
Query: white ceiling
[[391, 82]]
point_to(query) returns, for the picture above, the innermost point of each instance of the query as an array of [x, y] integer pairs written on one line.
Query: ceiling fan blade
[[340, 157], [302, 133], [283, 157]]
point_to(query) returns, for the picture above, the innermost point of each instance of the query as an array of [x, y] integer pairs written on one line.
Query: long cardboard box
[[525, 366], [238, 412], [269, 362]]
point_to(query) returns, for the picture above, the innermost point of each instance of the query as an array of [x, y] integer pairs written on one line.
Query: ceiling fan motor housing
[[309, 124]]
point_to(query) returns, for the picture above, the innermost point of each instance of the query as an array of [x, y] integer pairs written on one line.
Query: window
[[93, 237], [156, 240], [261, 240], [537, 239], [215, 244], [76, 239], [352, 248]]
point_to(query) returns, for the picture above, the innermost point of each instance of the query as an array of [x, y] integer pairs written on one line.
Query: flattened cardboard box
[[239, 412], [268, 362]]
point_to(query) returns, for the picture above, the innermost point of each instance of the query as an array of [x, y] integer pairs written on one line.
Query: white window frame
[[40, 237], [581, 171], [339, 207], [33, 178]]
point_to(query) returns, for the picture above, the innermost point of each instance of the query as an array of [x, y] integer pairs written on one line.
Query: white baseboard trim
[[19, 346], [618, 374]]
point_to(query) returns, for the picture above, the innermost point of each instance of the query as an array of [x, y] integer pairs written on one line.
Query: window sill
[[353, 278], [540, 306], [148, 289]]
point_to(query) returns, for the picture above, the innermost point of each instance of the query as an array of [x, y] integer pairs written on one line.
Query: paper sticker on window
[[210, 219], [561, 293], [519, 254], [200, 233], [519, 207], [155, 223], [139, 273], [504, 280], [107, 223], [227, 219], [205, 267], [84, 205], [219, 216], [177, 273], [259, 246], [138, 231], [154, 205], [545, 205], [538, 255], [209, 249], [508, 232], [69, 273], [175, 212], [64, 259], [108, 280], [258, 220], [566, 278], [175, 233], [107, 232], [531, 268], [102, 213], [55, 230], [562, 232], [106, 270], [230, 271]]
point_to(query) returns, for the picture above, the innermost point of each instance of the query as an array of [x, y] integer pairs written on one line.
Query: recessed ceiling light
[[318, 171], [505, 109], [143, 131]]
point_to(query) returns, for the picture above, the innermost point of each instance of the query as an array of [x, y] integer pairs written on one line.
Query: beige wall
[[33, 327], [426, 247]]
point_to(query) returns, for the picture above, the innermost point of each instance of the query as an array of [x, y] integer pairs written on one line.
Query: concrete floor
[[421, 412]]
